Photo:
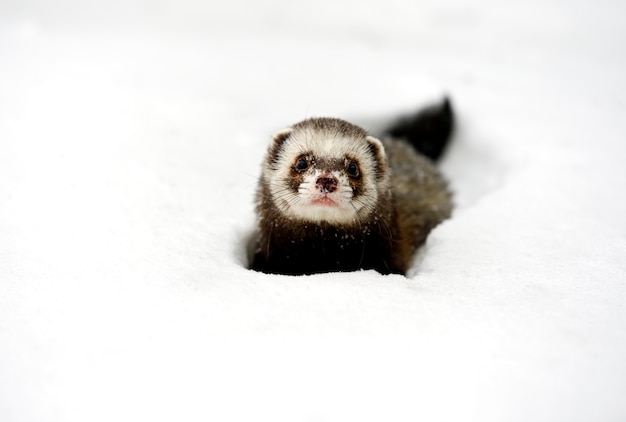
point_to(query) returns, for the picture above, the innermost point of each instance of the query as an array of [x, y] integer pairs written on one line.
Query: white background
[[131, 137]]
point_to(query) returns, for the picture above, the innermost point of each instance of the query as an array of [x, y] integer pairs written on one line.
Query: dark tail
[[428, 130]]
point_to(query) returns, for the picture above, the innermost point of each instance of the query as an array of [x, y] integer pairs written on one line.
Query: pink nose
[[326, 184]]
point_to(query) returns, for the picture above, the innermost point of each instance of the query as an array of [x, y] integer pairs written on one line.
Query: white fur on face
[[309, 203], [316, 205]]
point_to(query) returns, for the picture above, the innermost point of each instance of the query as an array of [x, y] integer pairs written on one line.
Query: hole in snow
[[473, 169]]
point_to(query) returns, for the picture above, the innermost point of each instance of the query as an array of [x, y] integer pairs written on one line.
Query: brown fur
[[420, 197]]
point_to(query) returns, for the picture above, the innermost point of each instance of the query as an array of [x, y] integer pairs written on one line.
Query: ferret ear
[[377, 148], [281, 136], [277, 141], [378, 151]]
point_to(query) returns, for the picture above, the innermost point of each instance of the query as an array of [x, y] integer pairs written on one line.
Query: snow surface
[[131, 137]]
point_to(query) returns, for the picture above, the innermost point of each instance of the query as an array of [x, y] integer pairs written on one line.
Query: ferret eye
[[353, 170], [301, 164]]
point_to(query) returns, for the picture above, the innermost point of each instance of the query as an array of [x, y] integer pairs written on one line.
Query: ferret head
[[325, 169]]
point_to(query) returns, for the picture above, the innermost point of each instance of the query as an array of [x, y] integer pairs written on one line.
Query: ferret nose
[[326, 184]]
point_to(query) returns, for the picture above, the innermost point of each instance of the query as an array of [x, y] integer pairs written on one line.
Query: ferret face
[[325, 170]]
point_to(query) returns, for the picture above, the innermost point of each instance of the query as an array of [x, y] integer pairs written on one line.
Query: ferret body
[[331, 197]]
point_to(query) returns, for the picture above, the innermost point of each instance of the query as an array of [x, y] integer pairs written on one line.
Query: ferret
[[332, 197]]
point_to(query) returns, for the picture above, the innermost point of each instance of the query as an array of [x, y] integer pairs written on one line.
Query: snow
[[131, 137]]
